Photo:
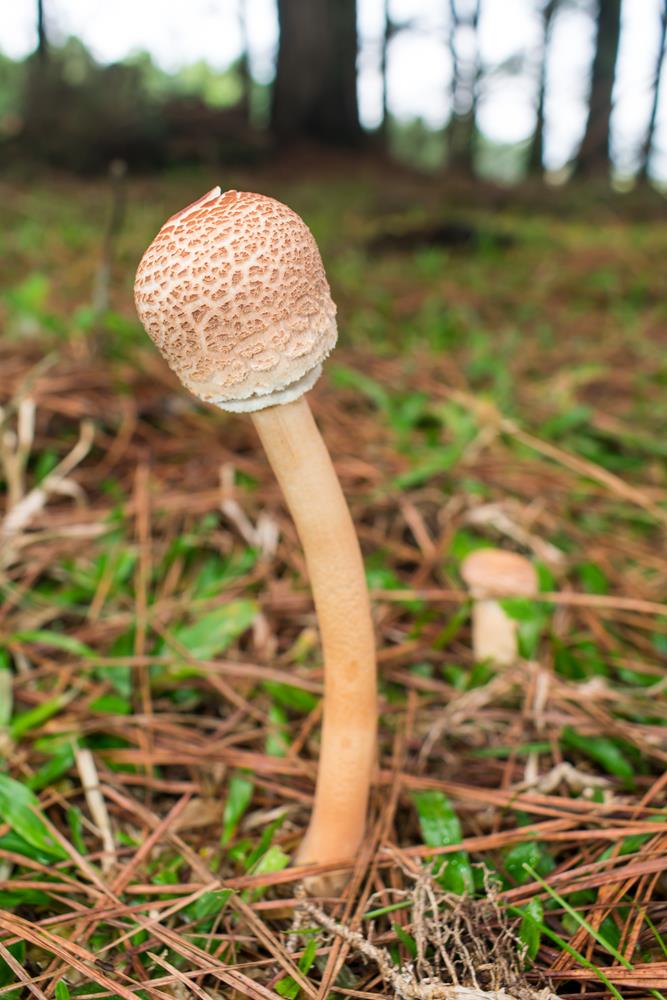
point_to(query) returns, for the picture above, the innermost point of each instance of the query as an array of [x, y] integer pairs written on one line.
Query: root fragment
[[466, 948]]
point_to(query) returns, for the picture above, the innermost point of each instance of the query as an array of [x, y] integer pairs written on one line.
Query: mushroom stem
[[494, 633], [311, 489]]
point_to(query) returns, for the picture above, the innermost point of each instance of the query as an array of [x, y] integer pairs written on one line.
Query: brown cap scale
[[491, 575], [233, 292]]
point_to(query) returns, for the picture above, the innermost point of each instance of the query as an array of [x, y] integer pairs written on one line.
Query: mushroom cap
[[232, 291], [497, 573]]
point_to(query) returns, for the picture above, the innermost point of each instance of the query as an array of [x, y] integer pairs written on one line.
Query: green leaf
[[62, 991], [34, 718], [439, 824], [62, 759], [274, 860], [381, 910], [659, 639], [452, 627], [427, 466], [17, 805], [579, 661], [530, 929], [75, 824], [440, 827], [295, 698], [382, 577], [277, 742], [111, 704], [216, 572], [14, 843], [264, 842], [215, 631], [209, 905], [546, 579], [593, 579], [530, 853], [30, 295], [374, 391], [7, 975], [406, 939], [458, 875], [45, 462], [519, 750], [43, 637], [636, 840], [308, 957], [287, 986], [239, 797], [5, 696], [602, 750], [24, 897], [656, 934], [462, 543], [456, 675], [573, 417], [117, 675], [531, 618]]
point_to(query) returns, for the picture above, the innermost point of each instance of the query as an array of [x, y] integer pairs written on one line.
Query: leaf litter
[[160, 739]]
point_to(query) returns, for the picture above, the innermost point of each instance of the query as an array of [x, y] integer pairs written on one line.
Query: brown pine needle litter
[[160, 673]]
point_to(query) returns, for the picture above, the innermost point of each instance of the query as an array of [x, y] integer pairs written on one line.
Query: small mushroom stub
[[233, 292], [491, 575]]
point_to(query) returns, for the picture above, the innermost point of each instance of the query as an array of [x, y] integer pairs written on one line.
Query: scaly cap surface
[[232, 291]]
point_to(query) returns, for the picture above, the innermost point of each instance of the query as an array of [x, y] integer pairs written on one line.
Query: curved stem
[[314, 497]]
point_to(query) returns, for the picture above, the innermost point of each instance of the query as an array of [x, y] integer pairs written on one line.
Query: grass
[[160, 678]]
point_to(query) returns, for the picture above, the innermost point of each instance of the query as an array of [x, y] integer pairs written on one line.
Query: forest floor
[[160, 673]]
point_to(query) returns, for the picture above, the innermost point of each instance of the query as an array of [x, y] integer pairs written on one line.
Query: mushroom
[[491, 574], [232, 291]]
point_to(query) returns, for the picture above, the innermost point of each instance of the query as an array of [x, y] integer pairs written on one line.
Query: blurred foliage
[[72, 113]]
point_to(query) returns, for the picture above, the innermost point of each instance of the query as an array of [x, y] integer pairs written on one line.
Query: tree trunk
[[536, 155], [386, 38], [315, 91], [465, 84], [244, 62], [594, 158], [42, 43], [647, 145]]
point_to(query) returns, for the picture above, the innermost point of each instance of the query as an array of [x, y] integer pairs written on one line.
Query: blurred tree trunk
[[386, 38], [465, 85], [647, 145], [594, 156], [244, 61], [536, 155], [315, 90], [42, 42]]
